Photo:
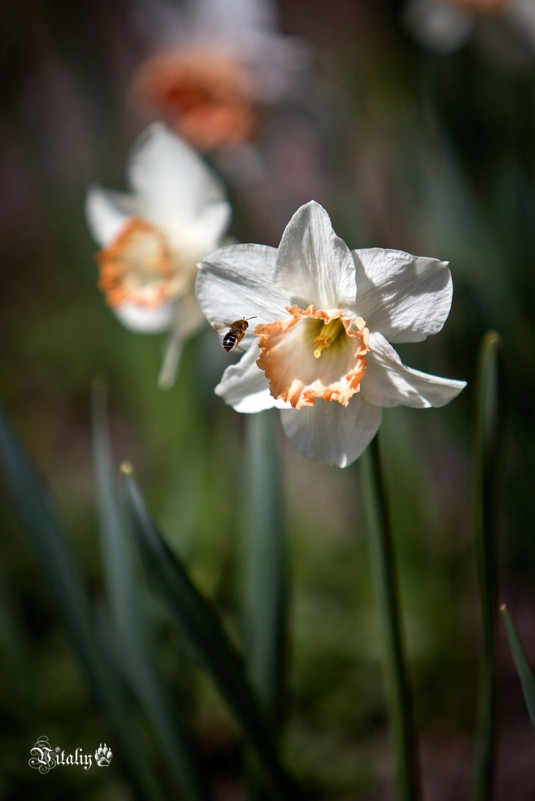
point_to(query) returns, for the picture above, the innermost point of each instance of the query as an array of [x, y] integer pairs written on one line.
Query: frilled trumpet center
[[137, 267], [314, 354]]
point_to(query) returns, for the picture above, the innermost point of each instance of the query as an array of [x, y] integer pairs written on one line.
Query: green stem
[[397, 687], [265, 572], [490, 414], [265, 564]]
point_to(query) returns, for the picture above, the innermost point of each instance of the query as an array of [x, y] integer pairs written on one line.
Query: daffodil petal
[[233, 18], [511, 31], [329, 433], [230, 21], [107, 213], [193, 239], [258, 402], [146, 319], [279, 64], [388, 382], [237, 281], [188, 319], [314, 266], [522, 14], [171, 179], [405, 297], [444, 26], [210, 225], [245, 387]]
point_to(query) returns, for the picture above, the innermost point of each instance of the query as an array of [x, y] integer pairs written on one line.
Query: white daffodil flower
[[326, 316], [153, 237]]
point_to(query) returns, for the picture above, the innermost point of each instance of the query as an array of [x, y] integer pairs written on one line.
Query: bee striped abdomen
[[235, 334], [230, 340]]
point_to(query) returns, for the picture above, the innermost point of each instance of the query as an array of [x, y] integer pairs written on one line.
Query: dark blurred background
[[407, 148]]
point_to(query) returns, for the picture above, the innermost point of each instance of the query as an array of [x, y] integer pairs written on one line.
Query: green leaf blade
[[198, 622], [130, 621], [395, 671], [64, 583], [525, 672]]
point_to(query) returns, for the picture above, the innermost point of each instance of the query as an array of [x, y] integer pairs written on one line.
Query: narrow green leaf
[[64, 582], [395, 672], [130, 622], [527, 679], [490, 416], [198, 622], [265, 570]]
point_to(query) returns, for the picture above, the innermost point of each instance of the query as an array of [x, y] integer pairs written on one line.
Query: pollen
[[329, 333]]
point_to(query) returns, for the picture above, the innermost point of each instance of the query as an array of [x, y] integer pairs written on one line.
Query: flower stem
[[397, 687], [265, 573], [489, 451]]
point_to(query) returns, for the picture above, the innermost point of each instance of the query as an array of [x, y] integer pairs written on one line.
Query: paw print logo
[[103, 756]]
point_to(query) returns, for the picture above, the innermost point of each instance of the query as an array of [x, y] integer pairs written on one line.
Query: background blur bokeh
[[407, 148]]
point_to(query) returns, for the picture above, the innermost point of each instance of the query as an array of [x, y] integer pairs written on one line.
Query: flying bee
[[236, 332]]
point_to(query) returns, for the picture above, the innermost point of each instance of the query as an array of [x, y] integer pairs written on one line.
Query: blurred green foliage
[[432, 154]]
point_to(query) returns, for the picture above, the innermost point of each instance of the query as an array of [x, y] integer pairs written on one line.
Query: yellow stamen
[[329, 332]]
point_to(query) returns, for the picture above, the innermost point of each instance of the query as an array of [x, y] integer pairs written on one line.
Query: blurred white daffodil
[[153, 237], [326, 315], [505, 27]]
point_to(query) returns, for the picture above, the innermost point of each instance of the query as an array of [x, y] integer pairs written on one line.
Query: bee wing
[[219, 327]]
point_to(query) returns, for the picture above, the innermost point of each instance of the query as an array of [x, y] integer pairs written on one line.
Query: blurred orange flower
[[205, 94], [214, 66]]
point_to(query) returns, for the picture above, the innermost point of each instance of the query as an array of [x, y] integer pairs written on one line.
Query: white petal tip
[[146, 320]]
